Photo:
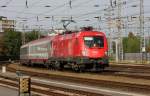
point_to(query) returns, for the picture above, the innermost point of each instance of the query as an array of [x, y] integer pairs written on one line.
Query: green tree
[[12, 43], [33, 35], [2, 48], [131, 44], [148, 46]]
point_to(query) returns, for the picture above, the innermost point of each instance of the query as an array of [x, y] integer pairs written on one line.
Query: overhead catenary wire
[[96, 12], [27, 5], [78, 16], [8, 2], [51, 11], [77, 5]]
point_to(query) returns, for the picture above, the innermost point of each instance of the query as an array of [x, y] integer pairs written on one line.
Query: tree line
[[132, 44], [12, 41]]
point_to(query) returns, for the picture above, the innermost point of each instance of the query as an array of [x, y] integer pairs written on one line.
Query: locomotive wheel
[[97, 68], [29, 63], [57, 65], [52, 65], [61, 66], [102, 69], [76, 68], [46, 65]]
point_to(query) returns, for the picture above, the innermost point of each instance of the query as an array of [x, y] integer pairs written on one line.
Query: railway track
[[45, 87], [136, 72], [39, 88], [127, 83], [133, 68]]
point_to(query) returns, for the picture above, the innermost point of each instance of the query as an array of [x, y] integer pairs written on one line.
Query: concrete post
[[117, 58], [3, 69]]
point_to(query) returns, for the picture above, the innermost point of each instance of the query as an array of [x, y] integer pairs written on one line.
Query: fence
[[137, 57]]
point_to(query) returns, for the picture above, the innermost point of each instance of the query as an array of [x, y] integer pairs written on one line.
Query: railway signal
[[24, 86]]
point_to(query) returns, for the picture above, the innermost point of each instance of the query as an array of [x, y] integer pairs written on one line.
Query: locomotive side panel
[[65, 46], [76, 47]]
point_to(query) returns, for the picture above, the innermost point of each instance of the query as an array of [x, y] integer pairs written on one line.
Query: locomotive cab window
[[94, 41]]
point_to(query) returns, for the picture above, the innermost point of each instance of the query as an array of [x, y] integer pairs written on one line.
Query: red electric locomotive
[[84, 50]]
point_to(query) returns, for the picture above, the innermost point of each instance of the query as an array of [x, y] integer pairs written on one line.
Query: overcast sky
[[82, 11]]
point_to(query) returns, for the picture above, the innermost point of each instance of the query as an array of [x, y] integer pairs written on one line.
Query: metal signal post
[[142, 33], [120, 31]]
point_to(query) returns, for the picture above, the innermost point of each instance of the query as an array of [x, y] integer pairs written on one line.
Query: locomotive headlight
[[106, 52], [84, 53]]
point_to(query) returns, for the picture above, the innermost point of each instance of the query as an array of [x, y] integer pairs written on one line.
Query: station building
[[5, 24]]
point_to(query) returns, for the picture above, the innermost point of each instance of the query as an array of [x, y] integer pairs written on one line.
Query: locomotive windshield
[[94, 41]]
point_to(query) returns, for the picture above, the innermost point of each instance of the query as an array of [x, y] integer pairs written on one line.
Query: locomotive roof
[[81, 32], [69, 35]]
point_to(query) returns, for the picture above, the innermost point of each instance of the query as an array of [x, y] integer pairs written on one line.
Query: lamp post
[[23, 33]]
